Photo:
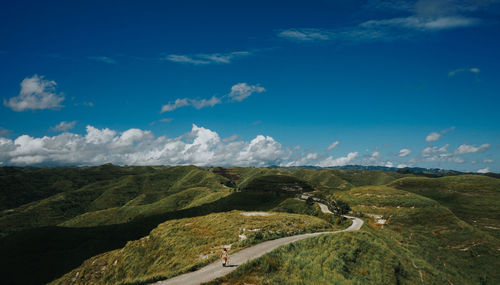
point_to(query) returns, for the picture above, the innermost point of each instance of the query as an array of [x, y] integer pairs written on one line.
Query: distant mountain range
[[404, 170]]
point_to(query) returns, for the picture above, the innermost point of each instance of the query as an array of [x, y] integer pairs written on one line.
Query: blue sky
[[327, 83]]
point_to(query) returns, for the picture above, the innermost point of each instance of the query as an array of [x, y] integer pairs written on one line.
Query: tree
[[341, 207]]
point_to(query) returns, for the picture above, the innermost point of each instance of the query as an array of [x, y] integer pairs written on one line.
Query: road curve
[[216, 270]]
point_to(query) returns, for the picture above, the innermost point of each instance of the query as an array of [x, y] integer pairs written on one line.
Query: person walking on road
[[225, 257]]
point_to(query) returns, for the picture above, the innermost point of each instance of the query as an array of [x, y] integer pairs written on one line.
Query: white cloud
[[184, 59], [64, 126], [333, 145], [204, 58], [433, 137], [103, 59], [465, 148], [198, 104], [330, 161], [484, 170], [389, 164], [305, 35], [164, 120], [240, 91], [402, 165], [200, 146], [459, 70], [231, 138], [177, 104], [488, 160], [404, 152], [420, 17], [375, 155], [36, 94]]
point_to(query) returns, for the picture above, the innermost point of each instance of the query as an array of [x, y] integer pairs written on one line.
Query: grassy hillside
[[22, 185], [276, 183], [192, 197], [75, 213], [49, 252], [117, 196], [179, 246], [473, 198], [337, 179], [421, 242], [346, 258]]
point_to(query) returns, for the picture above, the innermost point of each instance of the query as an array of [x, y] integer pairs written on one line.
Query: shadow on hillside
[[41, 255]]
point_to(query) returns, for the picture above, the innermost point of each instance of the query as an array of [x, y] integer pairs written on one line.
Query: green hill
[[130, 193], [21, 185], [418, 229], [473, 198], [179, 246], [408, 239]]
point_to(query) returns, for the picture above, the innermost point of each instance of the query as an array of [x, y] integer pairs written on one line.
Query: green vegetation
[[473, 198], [183, 245], [408, 239], [120, 199], [21, 185], [346, 258], [418, 229], [276, 184]]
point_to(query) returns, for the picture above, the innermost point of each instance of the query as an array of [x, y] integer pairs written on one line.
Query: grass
[[192, 197], [146, 190], [473, 198], [49, 252], [345, 258], [22, 185], [275, 183], [422, 242], [179, 246], [56, 218]]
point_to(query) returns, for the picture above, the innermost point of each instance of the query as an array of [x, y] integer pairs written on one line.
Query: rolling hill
[[419, 229]]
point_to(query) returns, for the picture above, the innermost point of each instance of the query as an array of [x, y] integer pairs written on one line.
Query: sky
[[251, 83]]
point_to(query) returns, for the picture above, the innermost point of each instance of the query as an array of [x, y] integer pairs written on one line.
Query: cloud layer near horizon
[[200, 146]]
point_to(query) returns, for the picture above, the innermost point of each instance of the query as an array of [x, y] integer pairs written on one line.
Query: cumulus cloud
[[486, 160], [64, 126], [375, 155], [239, 92], [465, 148], [204, 58], [474, 70], [36, 94], [404, 152], [483, 170], [333, 145], [102, 59], [200, 146], [433, 137], [340, 161]]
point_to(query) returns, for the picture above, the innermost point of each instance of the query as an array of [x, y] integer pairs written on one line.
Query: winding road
[[216, 270]]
